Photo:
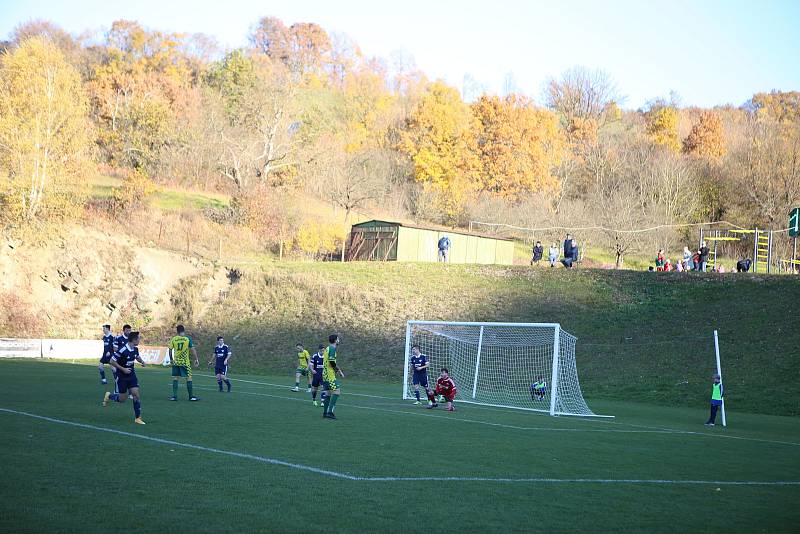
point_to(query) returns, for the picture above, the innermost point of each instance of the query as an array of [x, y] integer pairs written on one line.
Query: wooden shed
[[392, 241]]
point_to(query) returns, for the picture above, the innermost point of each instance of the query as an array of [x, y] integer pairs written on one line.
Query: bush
[[317, 239], [136, 187]]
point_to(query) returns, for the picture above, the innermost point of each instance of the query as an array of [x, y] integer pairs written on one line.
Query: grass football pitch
[[262, 458]]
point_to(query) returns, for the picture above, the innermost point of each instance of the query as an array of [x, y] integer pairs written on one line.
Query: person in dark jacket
[[703, 253], [444, 249], [574, 251], [570, 254], [568, 246], [538, 251], [743, 266]]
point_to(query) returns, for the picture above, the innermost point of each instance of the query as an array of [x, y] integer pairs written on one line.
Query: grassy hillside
[[642, 336]]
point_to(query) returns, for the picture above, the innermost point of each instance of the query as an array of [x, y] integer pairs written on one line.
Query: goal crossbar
[[525, 366]]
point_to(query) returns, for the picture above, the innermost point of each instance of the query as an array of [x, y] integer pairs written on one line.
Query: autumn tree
[[69, 45], [44, 132], [139, 91], [518, 144], [366, 110], [234, 77], [257, 132], [764, 165], [356, 179], [584, 99], [440, 139], [662, 125], [782, 107], [707, 137], [304, 47], [271, 213]]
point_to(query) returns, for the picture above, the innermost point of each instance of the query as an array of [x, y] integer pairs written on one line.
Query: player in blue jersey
[[120, 342], [419, 366], [122, 339], [124, 361], [222, 355], [108, 352], [315, 366]]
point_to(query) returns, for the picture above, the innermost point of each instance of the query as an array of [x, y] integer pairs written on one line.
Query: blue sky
[[709, 52]]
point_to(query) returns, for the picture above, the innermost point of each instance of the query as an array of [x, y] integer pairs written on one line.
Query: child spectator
[[552, 254], [667, 265], [679, 266]]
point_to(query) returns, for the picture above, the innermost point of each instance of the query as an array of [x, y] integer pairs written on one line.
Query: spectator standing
[[703, 253], [696, 261], [444, 249], [567, 246], [687, 258], [538, 251], [552, 254]]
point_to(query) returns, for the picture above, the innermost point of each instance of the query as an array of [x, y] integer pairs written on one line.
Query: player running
[[316, 367], [419, 364], [108, 352], [302, 368], [122, 339], [179, 348], [445, 387], [123, 361], [538, 389], [329, 383], [222, 354], [120, 342]]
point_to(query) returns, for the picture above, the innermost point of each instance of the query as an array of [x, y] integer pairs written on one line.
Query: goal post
[[496, 364]]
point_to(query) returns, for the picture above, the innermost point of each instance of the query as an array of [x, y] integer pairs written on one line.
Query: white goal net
[[509, 365]]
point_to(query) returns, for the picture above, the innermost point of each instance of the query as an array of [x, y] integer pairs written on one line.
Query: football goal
[[529, 366]]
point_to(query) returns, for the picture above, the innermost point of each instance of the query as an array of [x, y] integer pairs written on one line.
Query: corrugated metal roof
[[430, 228]]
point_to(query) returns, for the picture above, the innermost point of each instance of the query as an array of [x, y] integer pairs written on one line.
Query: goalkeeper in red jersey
[[446, 388]]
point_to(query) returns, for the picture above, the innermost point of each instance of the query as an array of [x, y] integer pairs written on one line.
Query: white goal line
[[356, 478]]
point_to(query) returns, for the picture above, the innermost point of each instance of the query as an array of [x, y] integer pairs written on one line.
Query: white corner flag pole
[[719, 372]]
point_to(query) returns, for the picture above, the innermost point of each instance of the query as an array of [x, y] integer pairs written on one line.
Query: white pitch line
[[356, 478], [462, 420], [285, 386], [587, 481], [652, 429], [180, 444]]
